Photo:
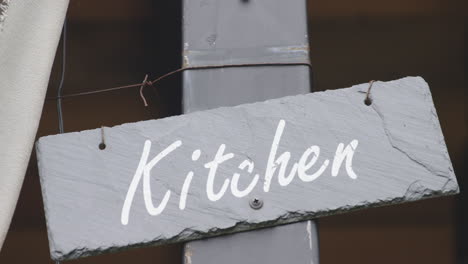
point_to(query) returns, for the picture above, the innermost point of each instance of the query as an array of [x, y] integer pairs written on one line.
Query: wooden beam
[[233, 26]]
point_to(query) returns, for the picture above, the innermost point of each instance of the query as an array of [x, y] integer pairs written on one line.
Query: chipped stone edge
[[189, 234], [415, 192]]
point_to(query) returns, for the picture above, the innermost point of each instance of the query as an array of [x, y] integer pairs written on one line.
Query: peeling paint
[[188, 254], [262, 54], [211, 39], [185, 62], [309, 233], [3, 11]]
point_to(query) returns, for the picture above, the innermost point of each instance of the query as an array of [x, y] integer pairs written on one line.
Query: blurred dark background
[[116, 42]]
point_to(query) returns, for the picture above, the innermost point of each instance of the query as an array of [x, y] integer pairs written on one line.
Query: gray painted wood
[[292, 243], [401, 156], [236, 32]]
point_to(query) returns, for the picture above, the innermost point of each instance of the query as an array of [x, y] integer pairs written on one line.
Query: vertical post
[[219, 32]]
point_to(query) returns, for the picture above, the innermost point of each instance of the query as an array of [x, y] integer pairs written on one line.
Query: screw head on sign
[[256, 203]]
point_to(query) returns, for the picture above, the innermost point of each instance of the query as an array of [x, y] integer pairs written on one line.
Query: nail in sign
[[197, 175]]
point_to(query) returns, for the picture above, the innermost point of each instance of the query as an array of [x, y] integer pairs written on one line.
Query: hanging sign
[[239, 168]]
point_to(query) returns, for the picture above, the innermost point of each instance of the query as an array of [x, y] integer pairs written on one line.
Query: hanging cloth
[[29, 35]]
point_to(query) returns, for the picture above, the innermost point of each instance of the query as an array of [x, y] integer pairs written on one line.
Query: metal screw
[[102, 145], [256, 203]]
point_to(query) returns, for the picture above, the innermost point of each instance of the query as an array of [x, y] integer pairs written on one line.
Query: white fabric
[[28, 41]]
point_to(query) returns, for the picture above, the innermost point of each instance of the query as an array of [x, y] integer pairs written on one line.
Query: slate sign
[[239, 168]]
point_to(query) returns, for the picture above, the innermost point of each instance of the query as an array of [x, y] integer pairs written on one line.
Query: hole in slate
[[102, 146], [368, 101]]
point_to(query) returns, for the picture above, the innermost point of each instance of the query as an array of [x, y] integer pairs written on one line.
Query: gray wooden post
[[240, 32]]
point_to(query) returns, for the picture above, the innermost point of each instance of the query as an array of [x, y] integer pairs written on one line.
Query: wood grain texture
[[292, 243], [227, 32], [401, 157]]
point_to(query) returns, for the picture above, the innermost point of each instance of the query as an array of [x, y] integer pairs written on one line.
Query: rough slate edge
[[295, 217], [291, 217]]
